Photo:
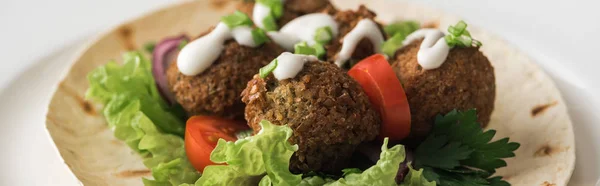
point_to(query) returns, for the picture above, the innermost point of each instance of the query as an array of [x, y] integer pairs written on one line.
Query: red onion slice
[[403, 170], [163, 55]]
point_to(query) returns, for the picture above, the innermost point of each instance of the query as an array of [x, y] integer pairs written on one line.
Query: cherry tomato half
[[385, 92], [202, 134]]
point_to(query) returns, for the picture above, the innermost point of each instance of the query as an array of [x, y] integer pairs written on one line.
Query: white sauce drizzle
[[289, 65], [260, 12], [199, 54], [243, 35], [286, 41], [433, 50], [366, 28], [303, 28]]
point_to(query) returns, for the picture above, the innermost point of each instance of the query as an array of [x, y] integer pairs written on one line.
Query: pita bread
[[529, 108]]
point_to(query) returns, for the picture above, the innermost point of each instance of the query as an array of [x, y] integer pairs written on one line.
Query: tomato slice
[[202, 134], [386, 94]]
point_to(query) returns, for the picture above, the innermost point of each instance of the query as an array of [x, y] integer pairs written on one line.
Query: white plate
[[30, 158], [583, 107]]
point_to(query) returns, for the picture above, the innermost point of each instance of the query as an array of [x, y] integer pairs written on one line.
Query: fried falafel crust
[[216, 91], [327, 110], [464, 81], [347, 20]]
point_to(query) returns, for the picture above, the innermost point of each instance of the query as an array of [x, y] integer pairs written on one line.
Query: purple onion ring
[[163, 55]]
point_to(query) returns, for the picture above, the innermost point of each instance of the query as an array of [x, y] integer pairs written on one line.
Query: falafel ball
[[216, 91], [347, 20], [293, 9], [464, 81], [327, 110]]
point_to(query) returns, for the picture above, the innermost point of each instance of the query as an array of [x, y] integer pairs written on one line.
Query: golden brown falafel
[[327, 110], [297, 8], [347, 20], [465, 80], [216, 91]]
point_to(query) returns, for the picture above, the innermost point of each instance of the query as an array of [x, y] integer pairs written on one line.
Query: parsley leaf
[[462, 127], [459, 152], [460, 176], [435, 151], [497, 181], [489, 157]]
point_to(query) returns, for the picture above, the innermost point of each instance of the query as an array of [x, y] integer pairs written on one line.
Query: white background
[[562, 35]]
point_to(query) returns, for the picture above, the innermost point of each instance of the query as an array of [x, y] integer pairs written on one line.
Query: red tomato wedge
[[202, 134], [378, 80]]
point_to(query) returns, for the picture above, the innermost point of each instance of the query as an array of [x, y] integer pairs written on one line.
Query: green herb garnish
[[315, 50], [276, 6], [182, 44], [393, 44], [236, 19], [270, 23], [459, 152], [399, 31], [403, 27], [259, 36], [276, 11], [320, 50], [304, 49], [460, 36], [323, 35], [149, 47], [266, 70]]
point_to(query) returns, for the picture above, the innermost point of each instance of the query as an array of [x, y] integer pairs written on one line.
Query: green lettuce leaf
[[133, 80], [315, 181], [261, 159], [382, 173], [138, 116], [416, 178]]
